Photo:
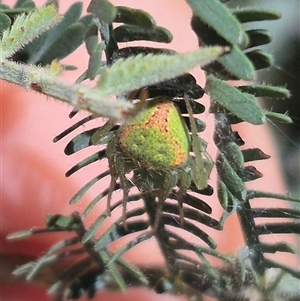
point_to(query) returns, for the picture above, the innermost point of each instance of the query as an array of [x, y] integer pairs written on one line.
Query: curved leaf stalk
[[230, 198], [223, 138]]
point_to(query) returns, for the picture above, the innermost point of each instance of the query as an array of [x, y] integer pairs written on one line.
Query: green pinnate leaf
[[256, 14], [134, 17], [65, 44], [25, 4], [27, 28], [91, 39], [4, 22], [103, 10], [143, 70], [260, 59], [252, 154], [265, 91], [217, 16], [240, 104], [127, 33], [37, 50], [279, 117], [231, 180], [258, 37], [238, 64]]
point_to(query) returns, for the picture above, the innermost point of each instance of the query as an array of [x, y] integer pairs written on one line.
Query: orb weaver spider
[[156, 148]]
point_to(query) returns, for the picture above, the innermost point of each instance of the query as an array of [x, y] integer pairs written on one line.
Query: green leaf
[[278, 247], [65, 44], [95, 52], [249, 173], [253, 14], [200, 174], [25, 4], [105, 256], [195, 202], [290, 272], [14, 12], [217, 16], [4, 8], [37, 50], [91, 39], [86, 21], [234, 155], [258, 37], [127, 33], [225, 197], [276, 213], [133, 270], [85, 162], [222, 194], [200, 125], [80, 142], [19, 3], [19, 235], [252, 194], [253, 154], [279, 117], [206, 34], [4, 22], [59, 222], [240, 104], [265, 91], [144, 70], [95, 62], [189, 227], [53, 2], [96, 200], [260, 59], [237, 64], [24, 269], [85, 188], [26, 28], [103, 10], [231, 180], [280, 228], [94, 228], [132, 16]]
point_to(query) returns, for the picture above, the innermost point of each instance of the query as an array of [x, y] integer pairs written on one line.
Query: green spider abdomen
[[156, 137]]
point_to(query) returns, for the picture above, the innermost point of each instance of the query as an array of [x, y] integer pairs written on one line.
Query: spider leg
[[159, 210], [125, 187], [170, 180], [184, 183], [180, 203], [112, 185], [198, 170], [143, 95], [114, 174]]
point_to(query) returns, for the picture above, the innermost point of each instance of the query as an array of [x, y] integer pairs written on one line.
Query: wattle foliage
[[168, 196]]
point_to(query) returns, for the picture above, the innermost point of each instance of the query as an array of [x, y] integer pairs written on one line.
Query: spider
[[156, 148]]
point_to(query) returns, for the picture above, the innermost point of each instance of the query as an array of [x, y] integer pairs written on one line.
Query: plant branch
[[46, 81]]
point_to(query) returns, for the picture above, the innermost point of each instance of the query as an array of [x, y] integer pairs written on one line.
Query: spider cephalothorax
[[155, 144]]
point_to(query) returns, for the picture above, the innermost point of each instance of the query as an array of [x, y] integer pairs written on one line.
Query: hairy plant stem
[[223, 137], [46, 81]]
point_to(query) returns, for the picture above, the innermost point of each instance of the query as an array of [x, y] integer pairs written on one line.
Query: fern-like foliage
[[58, 43], [166, 199]]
